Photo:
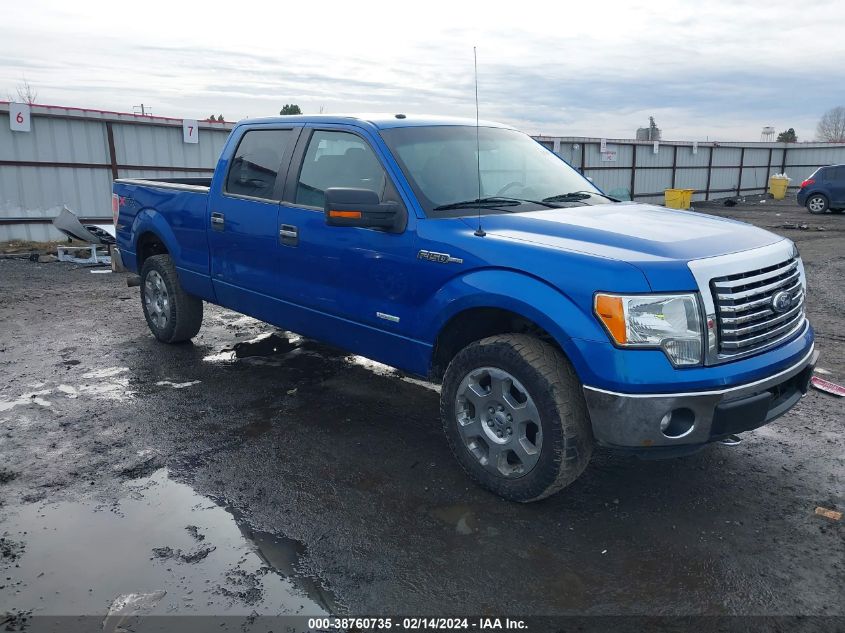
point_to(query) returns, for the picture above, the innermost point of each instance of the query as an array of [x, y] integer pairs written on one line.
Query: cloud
[[720, 70]]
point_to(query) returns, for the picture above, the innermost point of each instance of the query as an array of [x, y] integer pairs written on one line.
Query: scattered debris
[[196, 555], [69, 224], [128, 605], [177, 385], [10, 550], [248, 586], [833, 515], [194, 531], [6, 475], [15, 621], [193, 556], [729, 202], [94, 256], [828, 387]]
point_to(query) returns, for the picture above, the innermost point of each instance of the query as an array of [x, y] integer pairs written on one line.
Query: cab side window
[[338, 159], [257, 162]]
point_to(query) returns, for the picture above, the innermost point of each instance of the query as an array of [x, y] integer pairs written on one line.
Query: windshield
[[440, 163]]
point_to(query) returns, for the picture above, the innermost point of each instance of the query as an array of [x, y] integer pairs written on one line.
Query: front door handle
[[218, 221], [288, 235]]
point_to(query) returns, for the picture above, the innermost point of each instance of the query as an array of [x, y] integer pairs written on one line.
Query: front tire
[[817, 204], [172, 314], [515, 417]]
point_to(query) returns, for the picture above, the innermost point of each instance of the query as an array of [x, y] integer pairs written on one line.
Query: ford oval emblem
[[782, 301]]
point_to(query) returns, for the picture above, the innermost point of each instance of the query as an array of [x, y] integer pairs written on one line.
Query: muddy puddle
[[160, 549]]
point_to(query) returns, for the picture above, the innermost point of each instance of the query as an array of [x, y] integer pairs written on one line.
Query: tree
[[290, 108], [212, 118], [831, 126], [788, 137]]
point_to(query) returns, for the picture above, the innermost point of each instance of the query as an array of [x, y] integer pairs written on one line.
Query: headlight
[[668, 322]]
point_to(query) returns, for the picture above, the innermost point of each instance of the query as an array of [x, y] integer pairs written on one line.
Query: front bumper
[[633, 421]]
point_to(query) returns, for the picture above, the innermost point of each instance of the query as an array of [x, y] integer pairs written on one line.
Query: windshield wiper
[[495, 201], [492, 201], [575, 196]]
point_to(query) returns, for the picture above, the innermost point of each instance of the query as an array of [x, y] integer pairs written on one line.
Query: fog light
[[677, 423]]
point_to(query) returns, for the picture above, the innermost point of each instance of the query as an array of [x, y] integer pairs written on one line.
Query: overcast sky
[[720, 69]]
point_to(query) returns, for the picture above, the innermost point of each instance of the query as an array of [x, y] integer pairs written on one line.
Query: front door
[[352, 280]]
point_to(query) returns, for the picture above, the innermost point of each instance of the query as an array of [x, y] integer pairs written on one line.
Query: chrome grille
[[748, 318]]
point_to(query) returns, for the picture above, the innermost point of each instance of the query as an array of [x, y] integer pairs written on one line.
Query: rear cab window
[[254, 168]]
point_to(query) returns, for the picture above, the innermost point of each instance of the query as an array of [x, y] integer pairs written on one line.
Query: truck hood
[[641, 234]]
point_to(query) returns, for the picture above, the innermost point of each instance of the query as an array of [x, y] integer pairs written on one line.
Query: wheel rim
[[156, 299], [498, 422], [816, 204]]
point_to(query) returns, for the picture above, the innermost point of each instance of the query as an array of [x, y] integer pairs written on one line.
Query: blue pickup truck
[[555, 317]]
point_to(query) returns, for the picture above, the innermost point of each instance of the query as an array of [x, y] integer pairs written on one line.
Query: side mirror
[[361, 207]]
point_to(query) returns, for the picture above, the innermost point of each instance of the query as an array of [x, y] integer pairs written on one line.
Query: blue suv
[[824, 190]]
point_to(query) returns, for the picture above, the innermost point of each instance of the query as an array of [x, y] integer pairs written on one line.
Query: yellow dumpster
[[678, 198], [778, 184]]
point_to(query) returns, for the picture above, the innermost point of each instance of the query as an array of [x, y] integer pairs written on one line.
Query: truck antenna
[[479, 231]]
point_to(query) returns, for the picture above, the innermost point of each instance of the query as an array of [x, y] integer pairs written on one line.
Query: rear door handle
[[218, 221], [288, 235]]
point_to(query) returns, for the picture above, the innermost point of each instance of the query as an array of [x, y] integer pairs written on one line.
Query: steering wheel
[[514, 183]]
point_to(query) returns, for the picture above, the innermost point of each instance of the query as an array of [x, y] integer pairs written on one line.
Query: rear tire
[[515, 418], [172, 314], [817, 204]]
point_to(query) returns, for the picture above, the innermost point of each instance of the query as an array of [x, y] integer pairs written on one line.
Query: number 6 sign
[[190, 131], [20, 117]]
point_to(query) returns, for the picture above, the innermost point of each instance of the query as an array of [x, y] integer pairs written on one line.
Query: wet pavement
[[253, 472]]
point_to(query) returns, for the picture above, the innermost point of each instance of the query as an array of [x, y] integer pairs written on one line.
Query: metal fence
[[70, 157], [712, 169]]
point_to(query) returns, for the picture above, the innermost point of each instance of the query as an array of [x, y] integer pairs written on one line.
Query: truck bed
[[175, 208]]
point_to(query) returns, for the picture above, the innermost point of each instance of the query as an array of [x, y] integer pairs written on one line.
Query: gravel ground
[[252, 472]]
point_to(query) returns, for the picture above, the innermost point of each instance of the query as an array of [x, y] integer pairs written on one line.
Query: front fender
[[528, 296]]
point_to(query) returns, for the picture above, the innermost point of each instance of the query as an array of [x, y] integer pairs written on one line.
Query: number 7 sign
[[20, 119], [190, 131]]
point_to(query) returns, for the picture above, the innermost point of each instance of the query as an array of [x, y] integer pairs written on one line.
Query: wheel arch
[[531, 306], [154, 237], [147, 245], [474, 324]]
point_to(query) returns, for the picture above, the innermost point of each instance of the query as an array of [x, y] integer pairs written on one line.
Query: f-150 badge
[[440, 258]]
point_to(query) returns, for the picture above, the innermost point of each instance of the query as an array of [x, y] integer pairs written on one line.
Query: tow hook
[[731, 440], [133, 281]]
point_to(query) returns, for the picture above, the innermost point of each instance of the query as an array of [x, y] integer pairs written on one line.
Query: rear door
[[835, 181], [243, 224]]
